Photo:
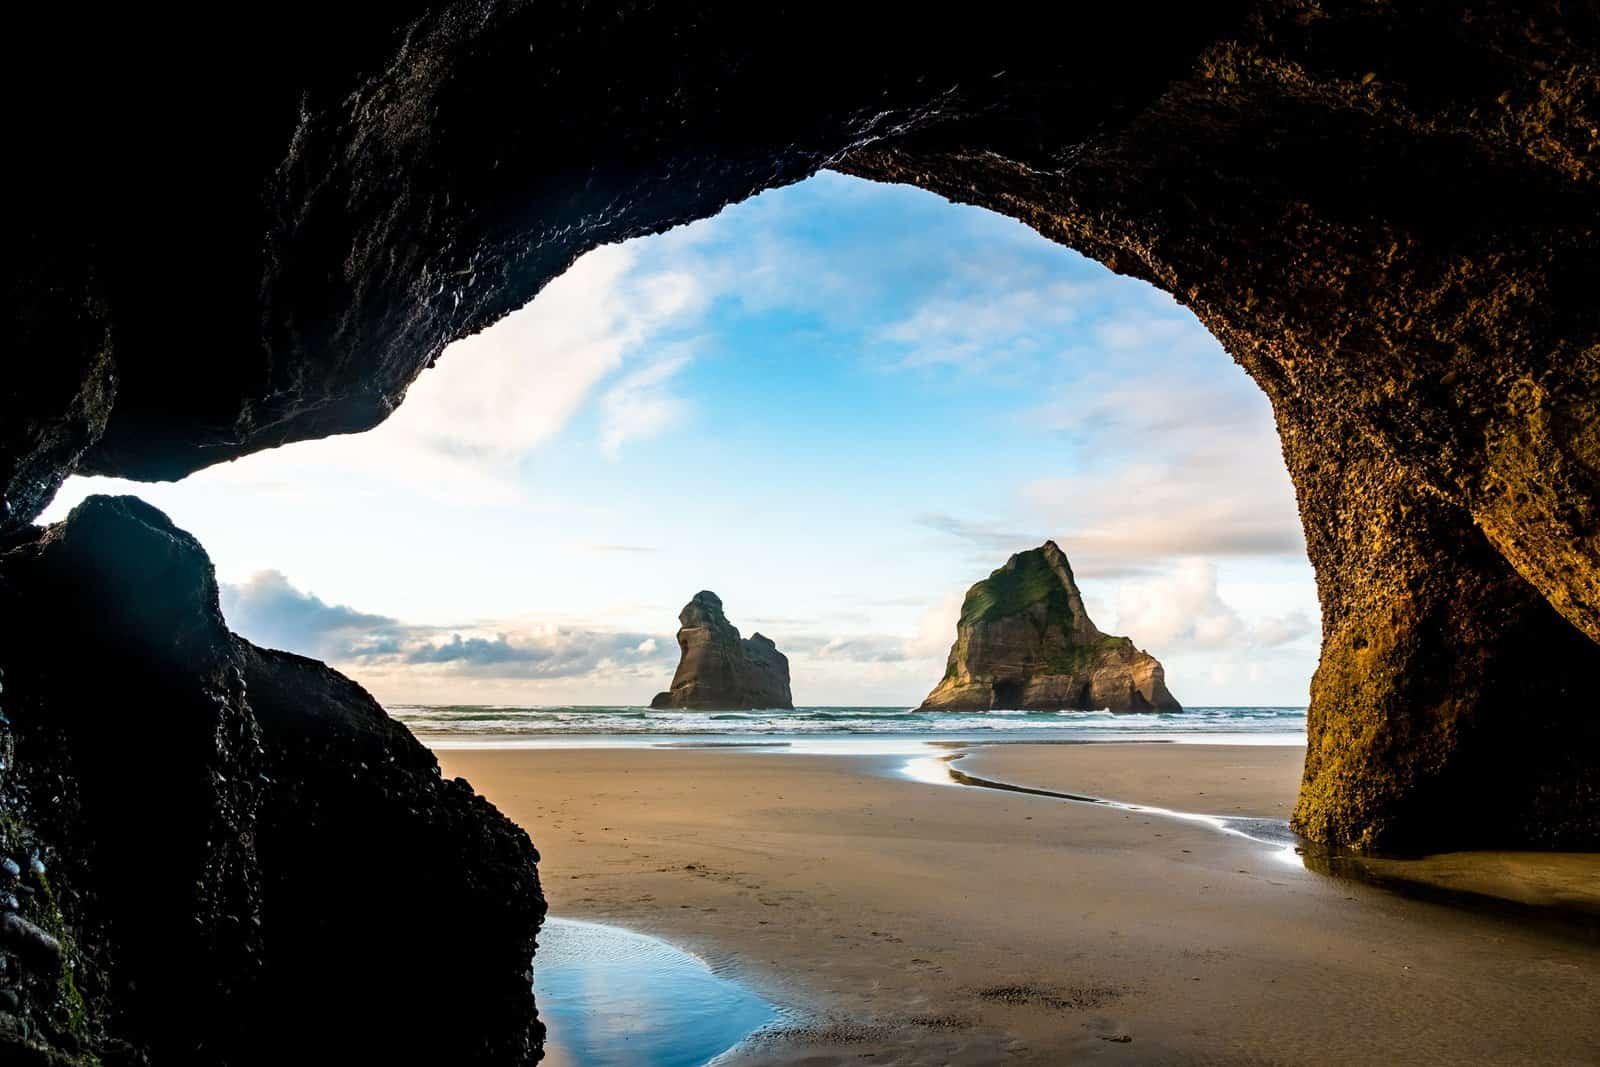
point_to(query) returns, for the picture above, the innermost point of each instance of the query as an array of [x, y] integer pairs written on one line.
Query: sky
[[837, 405]]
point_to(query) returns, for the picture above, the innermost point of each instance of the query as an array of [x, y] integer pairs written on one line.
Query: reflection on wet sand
[[916, 924], [1559, 887], [609, 996]]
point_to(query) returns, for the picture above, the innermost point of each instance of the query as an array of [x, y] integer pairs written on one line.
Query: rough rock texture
[[1025, 641], [236, 848], [137, 782], [385, 889], [365, 182], [719, 671], [1387, 212]]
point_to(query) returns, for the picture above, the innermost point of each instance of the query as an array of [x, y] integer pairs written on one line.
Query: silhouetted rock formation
[[1025, 641], [238, 850], [717, 671]]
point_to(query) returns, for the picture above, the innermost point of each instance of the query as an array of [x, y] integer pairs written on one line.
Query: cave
[[1008, 694], [229, 237]]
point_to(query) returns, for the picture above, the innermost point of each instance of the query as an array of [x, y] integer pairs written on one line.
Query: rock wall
[[317, 215], [720, 671], [398, 908], [1386, 215], [239, 857], [1025, 641], [1453, 706]]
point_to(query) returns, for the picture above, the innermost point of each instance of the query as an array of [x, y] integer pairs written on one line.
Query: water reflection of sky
[[1272, 833], [610, 996]]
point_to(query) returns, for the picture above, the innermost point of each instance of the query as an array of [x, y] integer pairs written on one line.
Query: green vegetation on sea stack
[[1025, 641], [1025, 580]]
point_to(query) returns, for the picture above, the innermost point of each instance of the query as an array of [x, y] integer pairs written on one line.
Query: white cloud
[[985, 535], [857, 648], [270, 610], [1143, 332], [986, 327], [1160, 466], [502, 392], [1170, 464], [641, 405], [936, 628], [935, 631], [497, 396], [1166, 449], [1183, 610], [1275, 630]]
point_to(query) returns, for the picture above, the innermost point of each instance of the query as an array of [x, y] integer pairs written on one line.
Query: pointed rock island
[[1026, 642], [720, 671]]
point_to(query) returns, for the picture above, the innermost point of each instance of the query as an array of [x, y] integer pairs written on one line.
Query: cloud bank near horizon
[[270, 610], [536, 662]]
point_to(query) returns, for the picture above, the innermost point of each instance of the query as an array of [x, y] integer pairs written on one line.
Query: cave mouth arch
[[1397, 243], [1386, 213], [951, 385]]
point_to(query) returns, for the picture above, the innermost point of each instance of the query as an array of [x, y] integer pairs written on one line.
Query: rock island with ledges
[[720, 671], [1025, 641]]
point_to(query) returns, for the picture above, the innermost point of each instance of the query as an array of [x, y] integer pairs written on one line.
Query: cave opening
[[886, 392], [889, 392], [1008, 693], [1384, 213]]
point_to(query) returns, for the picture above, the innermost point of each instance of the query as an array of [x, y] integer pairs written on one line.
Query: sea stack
[[718, 670], [1025, 641]]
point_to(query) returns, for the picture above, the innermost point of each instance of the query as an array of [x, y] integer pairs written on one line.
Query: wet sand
[[1234, 780], [911, 923]]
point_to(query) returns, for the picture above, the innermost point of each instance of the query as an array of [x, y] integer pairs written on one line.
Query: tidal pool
[[609, 996]]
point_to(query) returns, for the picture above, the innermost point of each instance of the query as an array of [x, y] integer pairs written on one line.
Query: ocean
[[832, 729]]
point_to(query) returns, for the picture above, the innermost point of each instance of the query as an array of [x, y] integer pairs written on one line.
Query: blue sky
[[837, 405]]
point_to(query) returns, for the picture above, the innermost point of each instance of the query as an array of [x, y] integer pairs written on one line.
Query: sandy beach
[[912, 923]]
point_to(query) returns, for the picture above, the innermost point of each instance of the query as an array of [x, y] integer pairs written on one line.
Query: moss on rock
[[1025, 640]]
